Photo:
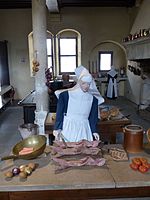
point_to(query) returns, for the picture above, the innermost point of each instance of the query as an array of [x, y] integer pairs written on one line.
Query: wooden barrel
[[133, 138]]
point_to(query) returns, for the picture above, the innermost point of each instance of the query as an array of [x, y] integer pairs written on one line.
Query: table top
[[121, 119], [113, 175]]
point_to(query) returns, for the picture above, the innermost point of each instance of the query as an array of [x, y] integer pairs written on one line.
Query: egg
[[9, 174], [28, 170], [23, 175], [22, 167], [32, 166]]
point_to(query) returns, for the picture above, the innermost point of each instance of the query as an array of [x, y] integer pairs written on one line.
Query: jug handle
[[123, 129]]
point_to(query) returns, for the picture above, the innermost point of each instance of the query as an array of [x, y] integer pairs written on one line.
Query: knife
[[62, 137]]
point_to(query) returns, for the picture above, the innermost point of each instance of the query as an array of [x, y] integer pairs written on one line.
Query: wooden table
[[107, 129], [114, 180]]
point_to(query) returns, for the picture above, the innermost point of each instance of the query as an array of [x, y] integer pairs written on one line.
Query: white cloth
[[76, 124], [112, 84], [81, 72]]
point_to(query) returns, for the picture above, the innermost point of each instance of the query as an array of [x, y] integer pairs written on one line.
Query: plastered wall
[[94, 24], [142, 21]]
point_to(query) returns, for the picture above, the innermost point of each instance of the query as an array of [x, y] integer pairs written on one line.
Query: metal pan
[[37, 142]]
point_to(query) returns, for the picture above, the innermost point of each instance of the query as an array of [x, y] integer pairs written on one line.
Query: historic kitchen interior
[[31, 69]]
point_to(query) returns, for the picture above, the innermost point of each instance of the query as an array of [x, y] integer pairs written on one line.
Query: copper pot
[[133, 138]]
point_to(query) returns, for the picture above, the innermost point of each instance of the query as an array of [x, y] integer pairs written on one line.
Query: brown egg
[[9, 174], [23, 175], [32, 166]]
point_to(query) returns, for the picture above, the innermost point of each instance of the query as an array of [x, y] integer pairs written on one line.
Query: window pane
[[105, 61], [68, 64], [49, 47], [67, 46], [49, 61]]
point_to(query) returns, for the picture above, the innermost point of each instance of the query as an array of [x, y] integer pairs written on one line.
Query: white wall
[[142, 20], [94, 24], [15, 27]]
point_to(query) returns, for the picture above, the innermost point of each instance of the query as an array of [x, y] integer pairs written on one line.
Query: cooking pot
[[133, 138], [37, 142]]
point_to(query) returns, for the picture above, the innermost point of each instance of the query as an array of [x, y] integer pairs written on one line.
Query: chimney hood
[[138, 49]]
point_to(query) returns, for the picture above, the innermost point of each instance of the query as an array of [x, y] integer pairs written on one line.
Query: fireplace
[[139, 51]]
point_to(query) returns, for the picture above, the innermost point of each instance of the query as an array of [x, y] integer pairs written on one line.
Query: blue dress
[[77, 115]]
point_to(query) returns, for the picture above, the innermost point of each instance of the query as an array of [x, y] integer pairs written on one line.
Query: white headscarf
[[83, 74], [112, 72]]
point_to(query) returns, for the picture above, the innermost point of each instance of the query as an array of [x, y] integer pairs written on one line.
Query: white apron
[[112, 86], [76, 124]]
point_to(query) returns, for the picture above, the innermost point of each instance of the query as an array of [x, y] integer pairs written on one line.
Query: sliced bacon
[[82, 143], [88, 161], [59, 151]]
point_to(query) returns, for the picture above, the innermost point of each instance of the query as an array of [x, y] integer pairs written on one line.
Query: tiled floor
[[10, 119]]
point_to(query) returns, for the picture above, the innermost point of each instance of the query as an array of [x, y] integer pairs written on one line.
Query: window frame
[[70, 33], [99, 59], [75, 55], [31, 49], [52, 54]]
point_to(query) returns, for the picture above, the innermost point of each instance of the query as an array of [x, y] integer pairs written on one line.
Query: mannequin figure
[[77, 109], [112, 84]]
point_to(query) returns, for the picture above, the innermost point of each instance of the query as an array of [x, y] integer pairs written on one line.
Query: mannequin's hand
[[56, 133], [96, 136]]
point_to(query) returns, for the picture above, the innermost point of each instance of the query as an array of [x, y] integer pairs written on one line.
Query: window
[[68, 51], [63, 51], [49, 52], [50, 41], [67, 54], [105, 60]]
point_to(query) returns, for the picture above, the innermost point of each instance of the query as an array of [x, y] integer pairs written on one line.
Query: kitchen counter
[[104, 79], [102, 83], [115, 179]]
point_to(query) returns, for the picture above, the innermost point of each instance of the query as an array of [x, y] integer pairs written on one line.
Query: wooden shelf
[[138, 49], [137, 41]]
